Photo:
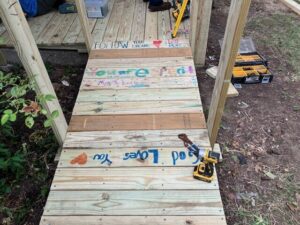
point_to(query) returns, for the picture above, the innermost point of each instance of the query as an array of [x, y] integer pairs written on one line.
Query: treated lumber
[[139, 21], [148, 107], [130, 95], [140, 62], [84, 21], [151, 30], [130, 220], [101, 24], [212, 72], [166, 157], [140, 53], [139, 83], [200, 21], [158, 71], [135, 203], [137, 178], [292, 5], [234, 30], [114, 22], [136, 139], [138, 122], [24, 43], [126, 22]]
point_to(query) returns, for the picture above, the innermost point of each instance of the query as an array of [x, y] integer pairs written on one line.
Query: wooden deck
[[122, 162], [128, 20]]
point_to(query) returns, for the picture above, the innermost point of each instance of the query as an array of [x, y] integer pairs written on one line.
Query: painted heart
[[80, 159], [157, 43]]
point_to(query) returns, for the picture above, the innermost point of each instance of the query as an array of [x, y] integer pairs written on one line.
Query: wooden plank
[[212, 72], [130, 220], [114, 22], [164, 25], [140, 62], [135, 203], [135, 139], [151, 28], [126, 22], [80, 38], [292, 5], [156, 178], [51, 29], [63, 29], [138, 83], [140, 94], [200, 21], [111, 157], [139, 21], [137, 122], [24, 43], [235, 26], [101, 24], [148, 107], [169, 43], [37, 24], [84, 21], [158, 71], [140, 53], [73, 32]]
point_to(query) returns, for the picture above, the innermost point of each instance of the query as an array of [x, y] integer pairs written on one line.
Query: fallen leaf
[[66, 83], [32, 108], [270, 175], [292, 206], [257, 168]]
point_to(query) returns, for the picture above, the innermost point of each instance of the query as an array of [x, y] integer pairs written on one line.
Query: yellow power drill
[[205, 170]]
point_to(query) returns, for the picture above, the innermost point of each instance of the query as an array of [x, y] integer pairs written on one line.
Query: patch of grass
[[281, 34]]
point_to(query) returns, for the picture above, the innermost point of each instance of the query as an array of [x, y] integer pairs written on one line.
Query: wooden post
[[84, 21], [200, 21], [235, 26], [24, 43]]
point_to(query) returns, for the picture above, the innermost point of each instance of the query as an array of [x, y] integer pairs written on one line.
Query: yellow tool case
[[251, 68]]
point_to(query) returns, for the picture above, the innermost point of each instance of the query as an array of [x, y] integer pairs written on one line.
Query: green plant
[[10, 163], [17, 97]]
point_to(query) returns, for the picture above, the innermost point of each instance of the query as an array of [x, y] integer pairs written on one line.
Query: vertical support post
[[234, 30], [24, 43], [84, 21], [200, 21]]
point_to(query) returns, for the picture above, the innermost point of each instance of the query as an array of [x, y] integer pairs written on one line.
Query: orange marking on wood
[[81, 159]]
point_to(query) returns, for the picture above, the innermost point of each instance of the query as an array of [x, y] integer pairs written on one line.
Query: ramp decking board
[[138, 122], [122, 157], [130, 220]]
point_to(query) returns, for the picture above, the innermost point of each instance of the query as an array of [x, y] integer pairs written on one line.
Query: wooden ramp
[[122, 162], [127, 20]]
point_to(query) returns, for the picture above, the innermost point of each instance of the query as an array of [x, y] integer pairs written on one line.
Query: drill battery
[[251, 68]]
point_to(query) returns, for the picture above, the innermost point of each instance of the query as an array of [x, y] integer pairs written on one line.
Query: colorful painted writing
[[171, 43], [139, 83], [103, 158], [143, 155], [182, 155], [140, 72]]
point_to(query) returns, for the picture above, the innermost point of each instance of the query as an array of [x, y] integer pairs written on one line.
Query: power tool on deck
[[205, 170], [181, 12]]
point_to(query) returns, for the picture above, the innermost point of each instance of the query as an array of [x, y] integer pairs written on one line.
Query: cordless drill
[[205, 170]]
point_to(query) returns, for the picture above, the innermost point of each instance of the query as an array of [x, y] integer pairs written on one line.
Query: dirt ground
[[259, 134]]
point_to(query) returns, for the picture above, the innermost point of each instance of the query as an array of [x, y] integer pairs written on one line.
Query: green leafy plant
[[10, 163], [17, 97]]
